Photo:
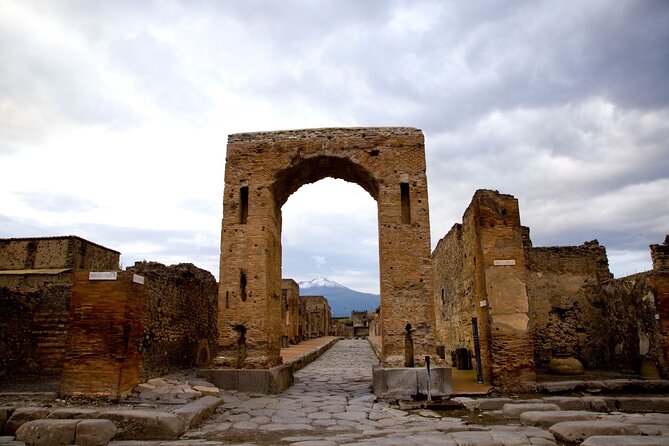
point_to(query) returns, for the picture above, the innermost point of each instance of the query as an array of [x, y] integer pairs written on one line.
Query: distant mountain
[[342, 300]]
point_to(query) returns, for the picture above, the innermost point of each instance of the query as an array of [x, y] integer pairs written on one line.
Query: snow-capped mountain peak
[[319, 282]]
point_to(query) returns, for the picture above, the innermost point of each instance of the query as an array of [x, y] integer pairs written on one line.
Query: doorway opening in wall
[[330, 248]]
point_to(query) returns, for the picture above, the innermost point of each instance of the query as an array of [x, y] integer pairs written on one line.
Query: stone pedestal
[[406, 383]]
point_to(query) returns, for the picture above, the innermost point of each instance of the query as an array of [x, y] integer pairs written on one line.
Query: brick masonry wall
[[262, 171], [180, 327], [455, 299], [35, 318], [56, 252], [103, 355]]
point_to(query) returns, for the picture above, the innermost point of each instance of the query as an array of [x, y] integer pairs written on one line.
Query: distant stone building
[[361, 321], [317, 315], [533, 304], [291, 312]]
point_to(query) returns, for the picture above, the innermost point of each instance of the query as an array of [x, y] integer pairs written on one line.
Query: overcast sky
[[114, 118]]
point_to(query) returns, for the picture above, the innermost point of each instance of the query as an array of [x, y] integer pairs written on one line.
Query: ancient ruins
[[486, 305], [262, 170]]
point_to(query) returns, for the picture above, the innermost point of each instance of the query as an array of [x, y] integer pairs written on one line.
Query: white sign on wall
[[138, 279], [507, 262], [102, 275]]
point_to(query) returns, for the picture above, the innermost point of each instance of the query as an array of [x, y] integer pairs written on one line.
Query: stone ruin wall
[[35, 317], [481, 268], [291, 314], [103, 354], [574, 306], [567, 306], [454, 294], [56, 252], [35, 305], [577, 308], [317, 316], [180, 317]]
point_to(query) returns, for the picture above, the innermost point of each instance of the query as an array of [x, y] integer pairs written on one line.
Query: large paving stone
[[566, 402], [575, 431], [94, 432], [599, 404], [22, 415], [194, 413], [546, 419], [47, 432], [635, 404], [145, 424], [514, 410], [625, 440], [475, 439], [492, 403], [66, 413]]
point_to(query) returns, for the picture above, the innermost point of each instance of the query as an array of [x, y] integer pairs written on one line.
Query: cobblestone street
[[331, 403]]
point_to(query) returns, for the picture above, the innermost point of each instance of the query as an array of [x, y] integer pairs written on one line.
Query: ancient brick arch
[[262, 170]]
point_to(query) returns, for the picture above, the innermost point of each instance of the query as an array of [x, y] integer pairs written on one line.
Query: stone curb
[[192, 414], [611, 384], [131, 424], [300, 362]]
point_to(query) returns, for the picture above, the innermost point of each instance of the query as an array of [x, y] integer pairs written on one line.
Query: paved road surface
[[331, 403]]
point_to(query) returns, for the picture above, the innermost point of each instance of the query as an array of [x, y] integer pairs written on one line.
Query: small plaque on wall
[[138, 279], [506, 262], [102, 275]]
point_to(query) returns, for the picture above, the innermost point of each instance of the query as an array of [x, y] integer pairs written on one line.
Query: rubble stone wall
[[568, 310], [180, 327]]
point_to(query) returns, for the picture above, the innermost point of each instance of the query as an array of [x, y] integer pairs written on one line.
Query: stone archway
[[262, 170]]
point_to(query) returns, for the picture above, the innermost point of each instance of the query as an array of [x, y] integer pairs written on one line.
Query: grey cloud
[[56, 202]]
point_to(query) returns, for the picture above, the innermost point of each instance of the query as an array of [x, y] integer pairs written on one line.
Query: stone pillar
[[500, 283], [102, 350], [405, 265]]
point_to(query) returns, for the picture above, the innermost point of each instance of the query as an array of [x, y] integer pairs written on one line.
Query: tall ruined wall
[[35, 315], [56, 252], [103, 345], [180, 319], [480, 266], [631, 331], [567, 307], [290, 301], [455, 299]]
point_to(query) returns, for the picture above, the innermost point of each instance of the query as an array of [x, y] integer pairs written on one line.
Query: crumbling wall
[[35, 318], [290, 312], [567, 307], [631, 332], [180, 319], [317, 316], [455, 299], [480, 266]]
